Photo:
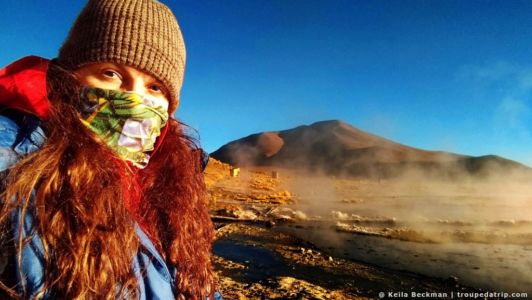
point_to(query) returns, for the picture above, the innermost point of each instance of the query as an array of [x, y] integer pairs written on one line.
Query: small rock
[[330, 258], [452, 280]]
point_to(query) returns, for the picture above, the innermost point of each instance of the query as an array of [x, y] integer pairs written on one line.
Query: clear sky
[[437, 75]]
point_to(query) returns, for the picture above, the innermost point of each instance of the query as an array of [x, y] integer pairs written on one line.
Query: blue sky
[[437, 75]]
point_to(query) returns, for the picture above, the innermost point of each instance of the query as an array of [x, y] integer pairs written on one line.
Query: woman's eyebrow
[[122, 69]]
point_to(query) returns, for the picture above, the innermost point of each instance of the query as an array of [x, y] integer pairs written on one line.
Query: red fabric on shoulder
[[23, 86]]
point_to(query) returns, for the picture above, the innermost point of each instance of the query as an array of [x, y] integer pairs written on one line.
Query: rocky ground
[[255, 261]]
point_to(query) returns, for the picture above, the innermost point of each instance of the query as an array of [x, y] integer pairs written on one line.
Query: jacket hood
[[23, 86]]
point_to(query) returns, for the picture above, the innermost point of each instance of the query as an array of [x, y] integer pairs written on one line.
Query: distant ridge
[[336, 147]]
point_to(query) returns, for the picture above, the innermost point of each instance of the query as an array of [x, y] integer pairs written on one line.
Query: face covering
[[129, 123]]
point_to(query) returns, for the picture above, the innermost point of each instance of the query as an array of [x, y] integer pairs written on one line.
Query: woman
[[102, 191]]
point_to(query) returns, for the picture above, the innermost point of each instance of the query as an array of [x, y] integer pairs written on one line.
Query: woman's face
[[119, 77]]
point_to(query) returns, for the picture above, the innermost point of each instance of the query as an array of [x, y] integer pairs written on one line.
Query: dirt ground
[[255, 261]]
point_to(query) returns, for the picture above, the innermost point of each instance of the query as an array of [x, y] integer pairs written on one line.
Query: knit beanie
[[143, 34]]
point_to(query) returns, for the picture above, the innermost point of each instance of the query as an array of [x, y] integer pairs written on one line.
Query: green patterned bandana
[[126, 121]]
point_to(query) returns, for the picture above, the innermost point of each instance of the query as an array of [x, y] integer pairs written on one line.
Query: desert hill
[[335, 147]]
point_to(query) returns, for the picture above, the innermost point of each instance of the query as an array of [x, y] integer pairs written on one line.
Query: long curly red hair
[[87, 201]]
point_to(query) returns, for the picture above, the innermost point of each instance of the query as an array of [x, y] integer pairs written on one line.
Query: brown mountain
[[336, 147]]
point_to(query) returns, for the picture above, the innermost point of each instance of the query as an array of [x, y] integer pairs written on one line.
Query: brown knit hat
[[139, 33]]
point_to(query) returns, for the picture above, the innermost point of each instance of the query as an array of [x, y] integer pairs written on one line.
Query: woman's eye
[[111, 74], [156, 88]]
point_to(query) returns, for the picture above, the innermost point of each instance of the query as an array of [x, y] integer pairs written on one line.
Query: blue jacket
[[18, 140]]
